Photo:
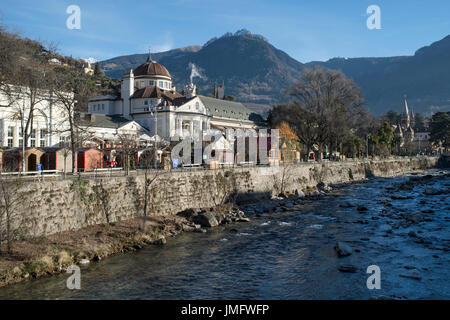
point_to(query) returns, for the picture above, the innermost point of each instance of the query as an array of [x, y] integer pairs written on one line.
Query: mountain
[[259, 74], [116, 67], [251, 68], [423, 77]]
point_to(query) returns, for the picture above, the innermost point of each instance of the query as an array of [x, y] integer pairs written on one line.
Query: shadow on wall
[[369, 173], [444, 161], [249, 197]]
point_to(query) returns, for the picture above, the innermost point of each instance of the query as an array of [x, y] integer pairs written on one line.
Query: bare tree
[[150, 179], [9, 200], [129, 146], [67, 88], [281, 180], [324, 108]]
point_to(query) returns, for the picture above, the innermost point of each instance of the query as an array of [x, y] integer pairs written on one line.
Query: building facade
[[149, 97], [48, 121]]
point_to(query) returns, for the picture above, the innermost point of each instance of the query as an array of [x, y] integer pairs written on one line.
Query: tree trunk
[[72, 144]]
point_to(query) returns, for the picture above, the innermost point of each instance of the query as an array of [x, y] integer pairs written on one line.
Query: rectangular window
[[61, 141], [103, 106], [146, 102], [33, 138], [42, 134], [161, 84], [10, 137], [20, 138], [10, 132]]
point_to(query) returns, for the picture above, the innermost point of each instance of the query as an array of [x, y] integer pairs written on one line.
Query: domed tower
[[149, 74], [152, 74]]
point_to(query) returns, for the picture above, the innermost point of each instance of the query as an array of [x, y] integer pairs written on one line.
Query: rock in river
[[361, 208], [299, 193], [411, 275], [343, 249], [347, 268], [346, 204], [206, 219], [160, 240]]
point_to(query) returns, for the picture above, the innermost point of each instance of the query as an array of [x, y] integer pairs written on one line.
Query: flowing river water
[[289, 254]]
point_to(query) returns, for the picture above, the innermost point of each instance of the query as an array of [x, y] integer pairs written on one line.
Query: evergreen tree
[[98, 72], [440, 129]]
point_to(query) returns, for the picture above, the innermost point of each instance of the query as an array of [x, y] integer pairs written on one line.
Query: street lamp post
[[153, 113], [23, 136]]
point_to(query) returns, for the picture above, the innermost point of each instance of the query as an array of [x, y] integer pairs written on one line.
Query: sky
[[306, 30]]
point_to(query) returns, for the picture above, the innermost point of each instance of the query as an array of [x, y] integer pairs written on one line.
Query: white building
[[49, 120], [149, 97], [102, 130]]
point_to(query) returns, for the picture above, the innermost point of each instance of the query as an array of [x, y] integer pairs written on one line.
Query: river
[[288, 255]]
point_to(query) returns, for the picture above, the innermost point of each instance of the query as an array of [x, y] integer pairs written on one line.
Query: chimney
[[190, 90]]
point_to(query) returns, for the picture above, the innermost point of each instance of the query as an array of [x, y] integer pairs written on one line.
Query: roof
[[147, 92], [102, 98], [54, 149], [172, 98], [151, 68], [103, 121], [229, 109]]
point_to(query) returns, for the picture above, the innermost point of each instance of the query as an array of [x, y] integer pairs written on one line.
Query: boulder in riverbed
[[414, 274], [361, 208], [343, 249], [346, 204], [432, 192], [299, 193], [188, 213], [206, 219], [347, 268]]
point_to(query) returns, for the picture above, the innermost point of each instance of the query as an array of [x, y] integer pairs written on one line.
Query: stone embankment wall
[[44, 208]]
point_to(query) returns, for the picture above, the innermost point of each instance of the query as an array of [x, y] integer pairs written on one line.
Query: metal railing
[[120, 171]]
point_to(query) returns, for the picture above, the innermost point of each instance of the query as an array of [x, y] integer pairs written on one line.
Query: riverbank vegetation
[[328, 116]]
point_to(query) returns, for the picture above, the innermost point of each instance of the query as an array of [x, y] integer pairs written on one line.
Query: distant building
[[54, 61], [420, 141], [88, 69], [219, 91], [404, 128]]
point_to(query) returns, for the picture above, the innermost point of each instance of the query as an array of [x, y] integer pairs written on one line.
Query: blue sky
[[306, 30]]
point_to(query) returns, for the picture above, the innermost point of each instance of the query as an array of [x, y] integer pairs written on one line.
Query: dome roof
[[151, 68]]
